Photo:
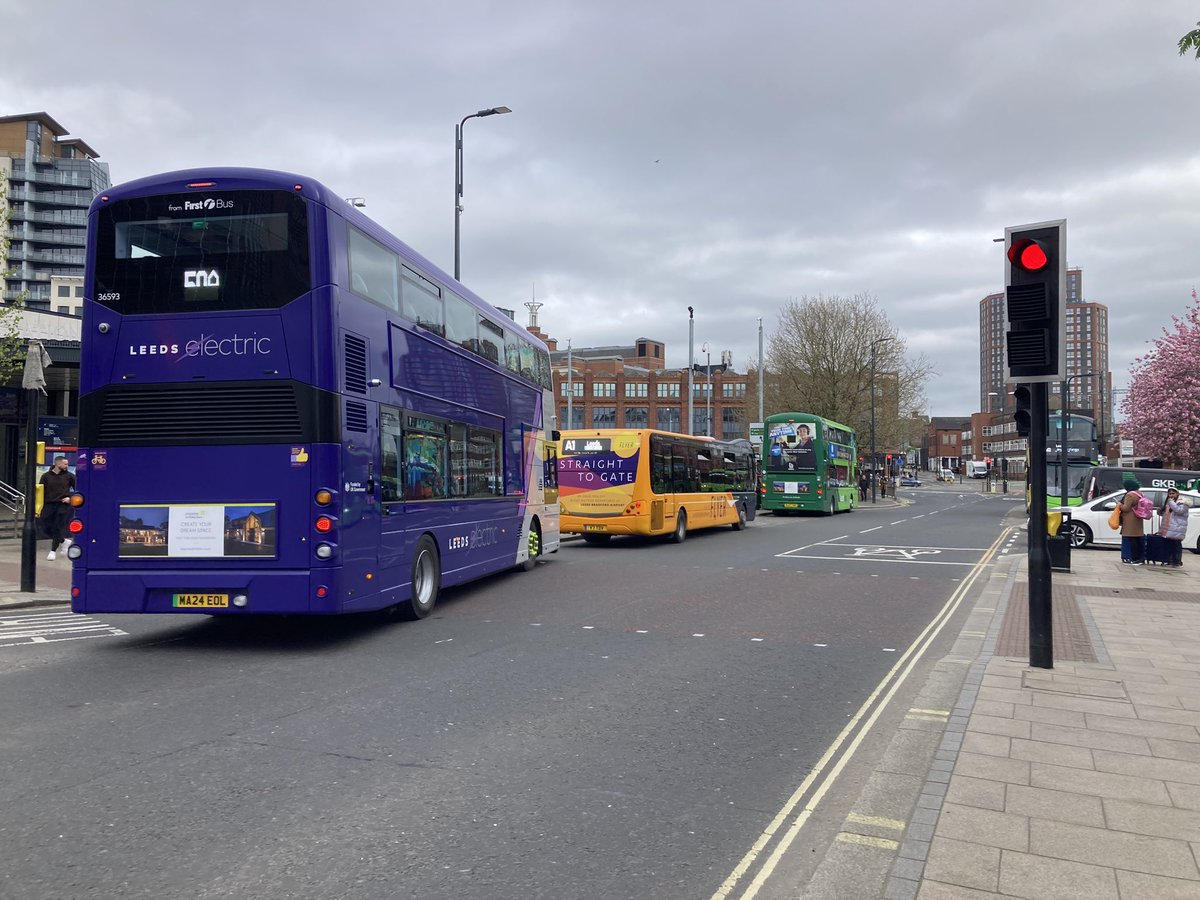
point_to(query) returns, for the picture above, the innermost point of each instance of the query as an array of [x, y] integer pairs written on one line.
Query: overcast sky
[[660, 155]]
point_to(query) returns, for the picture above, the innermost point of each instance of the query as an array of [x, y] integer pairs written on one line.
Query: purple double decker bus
[[284, 409]]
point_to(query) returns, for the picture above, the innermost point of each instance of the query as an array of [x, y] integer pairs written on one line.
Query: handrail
[[11, 498]]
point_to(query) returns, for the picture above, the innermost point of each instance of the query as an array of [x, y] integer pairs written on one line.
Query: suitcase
[[1158, 549]]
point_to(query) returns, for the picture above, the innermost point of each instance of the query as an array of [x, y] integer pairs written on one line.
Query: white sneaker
[[65, 544], [51, 555]]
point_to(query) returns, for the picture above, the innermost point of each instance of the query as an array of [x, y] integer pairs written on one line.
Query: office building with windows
[[631, 387], [1089, 381], [49, 181]]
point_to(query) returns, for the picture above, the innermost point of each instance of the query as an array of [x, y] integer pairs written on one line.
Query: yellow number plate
[[199, 601], [595, 528]]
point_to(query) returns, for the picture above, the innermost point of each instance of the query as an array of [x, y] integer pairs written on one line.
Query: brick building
[[632, 387]]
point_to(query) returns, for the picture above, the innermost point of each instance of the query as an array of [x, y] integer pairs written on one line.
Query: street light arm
[[458, 174]]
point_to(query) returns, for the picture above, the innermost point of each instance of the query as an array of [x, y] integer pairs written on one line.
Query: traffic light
[[1023, 398], [1035, 308]]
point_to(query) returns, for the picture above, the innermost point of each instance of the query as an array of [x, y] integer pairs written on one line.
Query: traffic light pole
[[1041, 629]]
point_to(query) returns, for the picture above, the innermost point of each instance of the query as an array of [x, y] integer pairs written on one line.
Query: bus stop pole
[[1041, 638]]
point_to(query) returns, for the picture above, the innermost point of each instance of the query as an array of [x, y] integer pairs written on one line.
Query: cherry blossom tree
[[1162, 406]]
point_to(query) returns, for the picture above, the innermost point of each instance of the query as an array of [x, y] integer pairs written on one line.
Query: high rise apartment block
[[1088, 378], [49, 181]]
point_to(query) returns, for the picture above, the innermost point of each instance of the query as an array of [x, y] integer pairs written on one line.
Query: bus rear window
[[193, 252]]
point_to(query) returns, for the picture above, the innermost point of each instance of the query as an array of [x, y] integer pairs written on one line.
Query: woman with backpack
[[1174, 526], [1133, 528]]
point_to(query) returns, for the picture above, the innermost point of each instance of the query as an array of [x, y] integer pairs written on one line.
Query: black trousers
[[55, 517]]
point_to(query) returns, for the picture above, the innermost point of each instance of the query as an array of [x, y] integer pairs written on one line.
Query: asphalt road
[[622, 722]]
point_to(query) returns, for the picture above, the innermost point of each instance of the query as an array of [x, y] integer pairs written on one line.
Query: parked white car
[[1089, 522]]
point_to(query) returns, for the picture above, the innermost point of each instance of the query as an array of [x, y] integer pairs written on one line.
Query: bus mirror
[[556, 435]]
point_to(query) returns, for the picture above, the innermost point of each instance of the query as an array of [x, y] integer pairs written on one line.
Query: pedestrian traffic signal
[[1023, 397], [1035, 308]]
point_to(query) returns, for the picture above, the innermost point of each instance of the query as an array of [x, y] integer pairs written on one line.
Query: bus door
[[391, 548]]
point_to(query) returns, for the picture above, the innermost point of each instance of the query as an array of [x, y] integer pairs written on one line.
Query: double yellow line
[[835, 758]]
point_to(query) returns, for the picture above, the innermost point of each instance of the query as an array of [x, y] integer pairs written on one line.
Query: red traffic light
[[1028, 255]]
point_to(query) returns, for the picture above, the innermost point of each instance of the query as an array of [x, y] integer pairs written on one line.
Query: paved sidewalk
[[52, 579], [1077, 781]]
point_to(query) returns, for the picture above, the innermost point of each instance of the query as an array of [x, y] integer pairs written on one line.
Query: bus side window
[[421, 302], [389, 468], [424, 466], [660, 465], [373, 270]]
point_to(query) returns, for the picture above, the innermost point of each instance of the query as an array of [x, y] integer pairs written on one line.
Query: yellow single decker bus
[[648, 482]]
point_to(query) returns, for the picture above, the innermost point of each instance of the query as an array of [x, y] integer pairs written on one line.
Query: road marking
[[849, 837], [865, 530], [835, 758], [900, 521], [51, 628], [876, 821]]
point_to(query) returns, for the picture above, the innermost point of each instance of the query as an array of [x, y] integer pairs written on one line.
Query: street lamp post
[[1064, 430], [707, 351], [458, 171], [874, 474], [691, 388]]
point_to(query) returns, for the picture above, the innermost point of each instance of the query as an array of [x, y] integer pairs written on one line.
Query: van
[[947, 475], [977, 469]]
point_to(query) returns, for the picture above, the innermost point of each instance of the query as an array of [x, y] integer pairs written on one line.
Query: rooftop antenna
[[533, 306]]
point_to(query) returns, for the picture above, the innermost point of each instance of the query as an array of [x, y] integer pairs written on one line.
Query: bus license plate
[[199, 601], [595, 528]]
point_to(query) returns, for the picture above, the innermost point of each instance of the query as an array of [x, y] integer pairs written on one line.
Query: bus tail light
[[322, 591], [77, 500], [74, 551], [324, 524], [324, 550], [75, 526], [323, 497]]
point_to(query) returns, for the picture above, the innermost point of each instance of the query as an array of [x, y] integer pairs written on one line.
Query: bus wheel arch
[[740, 524], [533, 545], [426, 580], [679, 535]]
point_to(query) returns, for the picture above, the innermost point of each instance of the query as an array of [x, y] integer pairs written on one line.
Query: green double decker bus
[[809, 465]]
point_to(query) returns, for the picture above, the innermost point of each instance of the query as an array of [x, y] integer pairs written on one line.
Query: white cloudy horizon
[[673, 154]]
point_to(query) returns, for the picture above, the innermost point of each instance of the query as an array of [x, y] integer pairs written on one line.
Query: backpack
[[1144, 508]]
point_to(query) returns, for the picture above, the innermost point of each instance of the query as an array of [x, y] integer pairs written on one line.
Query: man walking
[[57, 486]]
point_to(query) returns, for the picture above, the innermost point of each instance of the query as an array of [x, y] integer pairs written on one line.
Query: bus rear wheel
[[740, 524], [534, 547], [426, 581], [680, 533]]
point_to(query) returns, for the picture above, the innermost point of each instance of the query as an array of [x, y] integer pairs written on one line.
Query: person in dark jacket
[[57, 486]]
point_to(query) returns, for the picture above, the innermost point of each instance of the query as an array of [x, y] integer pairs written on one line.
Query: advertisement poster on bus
[[596, 475], [197, 530], [791, 448]]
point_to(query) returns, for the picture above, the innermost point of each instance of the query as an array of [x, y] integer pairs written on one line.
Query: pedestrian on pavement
[[864, 483], [57, 486], [883, 486], [1133, 529], [1174, 514]]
